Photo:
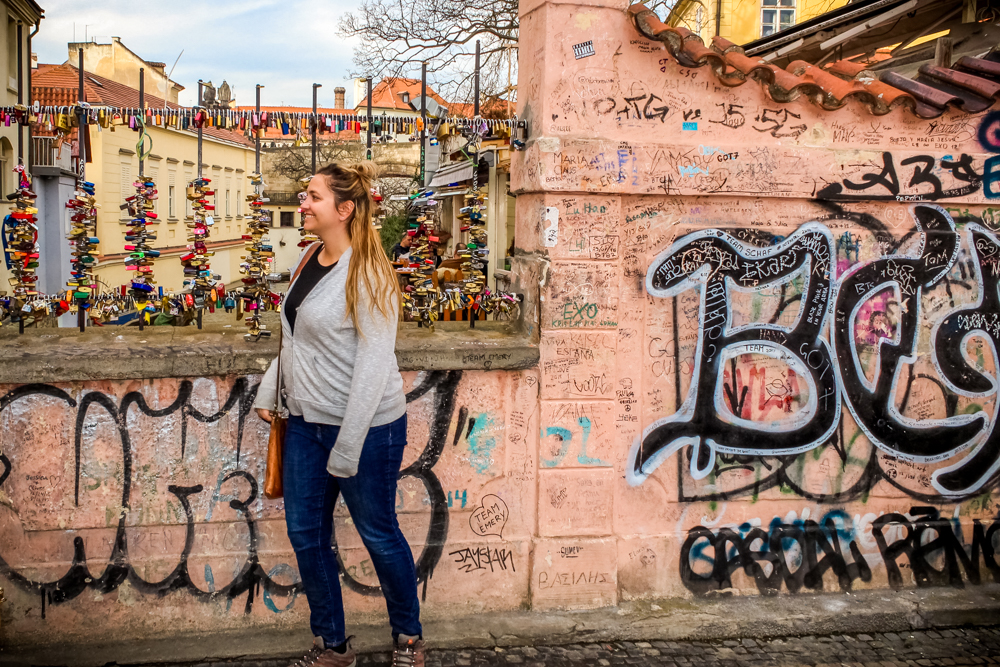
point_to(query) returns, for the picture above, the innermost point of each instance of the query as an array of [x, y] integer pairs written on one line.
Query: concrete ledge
[[48, 355], [672, 619]]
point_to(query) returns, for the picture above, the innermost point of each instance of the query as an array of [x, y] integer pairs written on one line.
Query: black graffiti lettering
[[920, 552], [251, 577], [605, 106], [717, 415], [961, 170], [924, 174], [656, 112], [886, 178], [484, 558], [731, 116], [631, 107], [796, 555], [873, 407], [983, 320], [712, 258], [631, 111]]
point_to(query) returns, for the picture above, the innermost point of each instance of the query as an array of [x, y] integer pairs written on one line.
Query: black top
[[398, 251], [310, 275]]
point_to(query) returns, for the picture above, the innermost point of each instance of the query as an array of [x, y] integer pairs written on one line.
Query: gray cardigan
[[334, 376]]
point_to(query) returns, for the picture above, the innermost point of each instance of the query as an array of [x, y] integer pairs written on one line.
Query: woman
[[347, 425]]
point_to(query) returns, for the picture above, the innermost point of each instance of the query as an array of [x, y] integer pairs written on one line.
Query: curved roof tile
[[972, 86]]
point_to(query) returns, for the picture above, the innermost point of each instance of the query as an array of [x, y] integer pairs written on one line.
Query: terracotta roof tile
[[979, 66], [386, 94], [973, 85], [58, 85]]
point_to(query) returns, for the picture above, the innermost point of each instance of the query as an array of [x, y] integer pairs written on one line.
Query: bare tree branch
[[398, 36]]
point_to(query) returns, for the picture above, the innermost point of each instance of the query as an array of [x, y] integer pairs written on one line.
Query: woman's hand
[[264, 414]]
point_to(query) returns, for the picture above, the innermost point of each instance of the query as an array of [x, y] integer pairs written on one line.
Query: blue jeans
[[310, 495]]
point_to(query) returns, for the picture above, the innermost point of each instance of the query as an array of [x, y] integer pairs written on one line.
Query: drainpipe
[[718, 17], [31, 146]]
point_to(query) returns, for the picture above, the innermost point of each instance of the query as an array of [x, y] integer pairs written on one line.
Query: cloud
[[285, 46]]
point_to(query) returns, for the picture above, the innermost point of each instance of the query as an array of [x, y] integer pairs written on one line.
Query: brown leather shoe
[[408, 652], [320, 656]]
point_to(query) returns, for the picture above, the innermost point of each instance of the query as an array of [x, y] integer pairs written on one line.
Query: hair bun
[[366, 171]]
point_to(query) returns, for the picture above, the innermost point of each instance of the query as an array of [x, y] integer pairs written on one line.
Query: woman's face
[[320, 208]]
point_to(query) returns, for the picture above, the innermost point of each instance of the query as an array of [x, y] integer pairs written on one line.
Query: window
[[172, 211], [776, 15], [229, 213], [239, 203], [127, 189], [153, 174], [188, 179], [12, 73], [287, 219], [699, 19]]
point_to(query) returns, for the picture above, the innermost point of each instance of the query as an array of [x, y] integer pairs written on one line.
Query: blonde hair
[[353, 182]]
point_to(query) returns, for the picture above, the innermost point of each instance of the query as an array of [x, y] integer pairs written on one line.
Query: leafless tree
[[295, 162], [291, 163], [396, 36]]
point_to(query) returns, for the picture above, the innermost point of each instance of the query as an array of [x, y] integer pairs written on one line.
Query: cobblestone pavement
[[970, 646]]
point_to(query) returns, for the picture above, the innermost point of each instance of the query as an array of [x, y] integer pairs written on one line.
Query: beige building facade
[[227, 159], [116, 61], [27, 14], [171, 165]]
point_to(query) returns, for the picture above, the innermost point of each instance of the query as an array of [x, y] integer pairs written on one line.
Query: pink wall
[[716, 271], [231, 565]]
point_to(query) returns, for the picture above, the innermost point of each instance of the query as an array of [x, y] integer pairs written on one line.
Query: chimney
[[338, 97]]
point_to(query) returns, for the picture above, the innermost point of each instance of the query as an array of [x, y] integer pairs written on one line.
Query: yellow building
[[742, 21], [116, 61], [26, 14], [227, 158]]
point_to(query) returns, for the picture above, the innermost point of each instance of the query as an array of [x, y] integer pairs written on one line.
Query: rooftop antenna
[[175, 63]]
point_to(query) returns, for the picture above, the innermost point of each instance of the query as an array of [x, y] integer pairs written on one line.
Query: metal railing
[[44, 151], [283, 198]]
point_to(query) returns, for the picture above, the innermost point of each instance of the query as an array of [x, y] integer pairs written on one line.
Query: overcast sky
[[284, 45]]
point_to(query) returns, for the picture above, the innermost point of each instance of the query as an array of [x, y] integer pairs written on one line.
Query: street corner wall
[[132, 509], [767, 331]]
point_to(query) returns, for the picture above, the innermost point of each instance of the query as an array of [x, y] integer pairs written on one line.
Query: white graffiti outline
[[979, 442], [801, 417], [698, 280], [906, 359]]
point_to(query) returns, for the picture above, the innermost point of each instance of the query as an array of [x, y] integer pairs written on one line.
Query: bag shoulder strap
[[278, 407], [310, 251]]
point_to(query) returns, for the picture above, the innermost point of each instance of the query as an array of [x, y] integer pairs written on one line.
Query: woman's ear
[[345, 209]]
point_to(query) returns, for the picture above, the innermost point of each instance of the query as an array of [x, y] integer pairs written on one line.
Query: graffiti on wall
[[835, 351], [239, 488], [799, 554]]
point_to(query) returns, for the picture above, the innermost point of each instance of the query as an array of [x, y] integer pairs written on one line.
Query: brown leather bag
[[273, 487]]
